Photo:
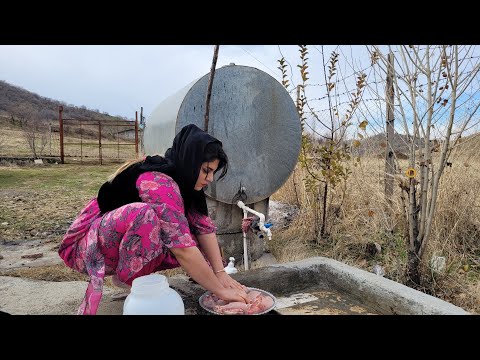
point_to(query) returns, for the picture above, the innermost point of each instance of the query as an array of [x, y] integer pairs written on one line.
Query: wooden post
[[390, 130], [210, 84], [60, 120]]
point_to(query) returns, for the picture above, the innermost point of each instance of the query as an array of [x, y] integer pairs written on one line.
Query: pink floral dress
[[133, 240]]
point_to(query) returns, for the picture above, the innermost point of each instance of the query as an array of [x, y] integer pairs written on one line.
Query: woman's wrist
[[219, 271]]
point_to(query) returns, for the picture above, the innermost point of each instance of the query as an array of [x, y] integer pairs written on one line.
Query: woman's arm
[[193, 262], [209, 245], [204, 229]]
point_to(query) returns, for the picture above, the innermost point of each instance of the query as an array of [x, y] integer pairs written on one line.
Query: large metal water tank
[[258, 124]]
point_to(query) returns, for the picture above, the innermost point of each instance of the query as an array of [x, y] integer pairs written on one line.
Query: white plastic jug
[[152, 295]]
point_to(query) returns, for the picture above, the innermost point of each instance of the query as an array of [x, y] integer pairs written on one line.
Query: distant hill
[[16, 101], [376, 145]]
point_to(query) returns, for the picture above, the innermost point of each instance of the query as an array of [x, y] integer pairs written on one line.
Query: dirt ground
[[38, 204]]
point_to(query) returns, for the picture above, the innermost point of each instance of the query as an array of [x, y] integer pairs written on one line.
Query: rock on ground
[[281, 214]]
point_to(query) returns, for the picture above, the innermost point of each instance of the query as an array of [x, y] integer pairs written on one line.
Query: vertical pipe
[[60, 119], [245, 245]]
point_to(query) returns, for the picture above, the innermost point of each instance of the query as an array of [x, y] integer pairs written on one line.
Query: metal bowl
[[250, 288]]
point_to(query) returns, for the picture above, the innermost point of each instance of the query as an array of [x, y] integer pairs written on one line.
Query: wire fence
[[69, 140], [330, 101]]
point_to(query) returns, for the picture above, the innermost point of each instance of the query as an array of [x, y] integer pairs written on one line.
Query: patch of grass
[[41, 202], [84, 178], [9, 216], [60, 272]]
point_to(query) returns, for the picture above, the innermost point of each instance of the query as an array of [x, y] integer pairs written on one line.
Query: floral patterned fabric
[[134, 239]]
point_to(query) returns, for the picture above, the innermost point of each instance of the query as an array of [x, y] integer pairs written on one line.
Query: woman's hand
[[232, 294], [228, 282]]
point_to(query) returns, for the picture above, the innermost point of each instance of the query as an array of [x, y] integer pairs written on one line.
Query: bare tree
[[327, 167], [436, 88], [34, 131], [2, 143]]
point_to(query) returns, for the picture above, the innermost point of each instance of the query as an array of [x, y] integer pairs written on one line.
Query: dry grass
[[13, 143], [49, 273], [362, 219], [61, 272], [41, 202]]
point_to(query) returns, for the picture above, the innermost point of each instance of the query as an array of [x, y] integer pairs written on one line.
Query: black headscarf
[[181, 162]]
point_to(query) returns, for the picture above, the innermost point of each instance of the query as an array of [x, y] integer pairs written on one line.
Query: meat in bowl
[[259, 302]]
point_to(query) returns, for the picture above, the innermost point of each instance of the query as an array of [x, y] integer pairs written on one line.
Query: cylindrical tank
[[258, 124]]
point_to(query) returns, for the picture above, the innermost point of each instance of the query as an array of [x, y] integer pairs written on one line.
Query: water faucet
[[261, 225], [266, 230]]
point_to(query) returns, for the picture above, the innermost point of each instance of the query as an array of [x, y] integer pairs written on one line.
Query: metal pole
[[136, 134], [81, 143], [62, 155], [100, 141], [142, 126], [118, 140]]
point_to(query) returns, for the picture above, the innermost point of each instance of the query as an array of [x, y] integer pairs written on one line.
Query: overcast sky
[[119, 79]]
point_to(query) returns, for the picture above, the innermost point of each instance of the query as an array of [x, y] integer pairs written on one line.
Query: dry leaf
[[363, 125]]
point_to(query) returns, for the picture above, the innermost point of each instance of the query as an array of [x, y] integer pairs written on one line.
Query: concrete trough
[[341, 289], [315, 286]]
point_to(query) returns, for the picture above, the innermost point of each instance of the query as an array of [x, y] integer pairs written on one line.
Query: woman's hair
[[214, 151], [127, 164]]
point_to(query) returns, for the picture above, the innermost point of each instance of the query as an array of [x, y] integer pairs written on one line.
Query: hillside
[[29, 127], [376, 145], [15, 102]]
